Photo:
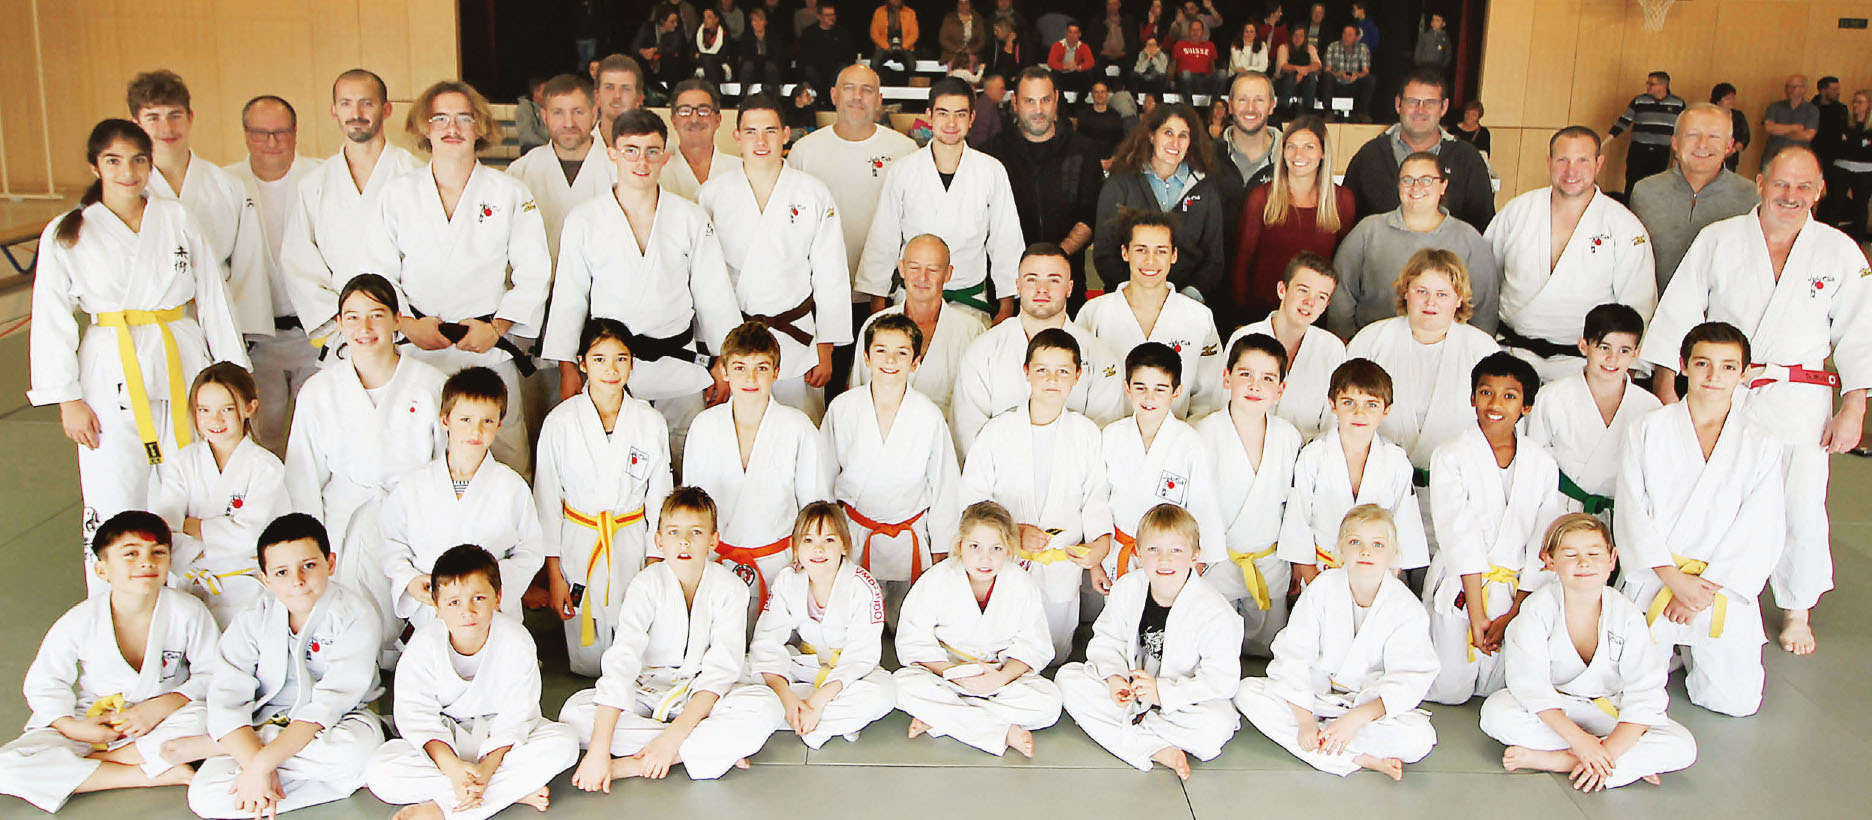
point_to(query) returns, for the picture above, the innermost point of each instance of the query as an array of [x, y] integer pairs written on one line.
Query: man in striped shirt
[[1652, 119]]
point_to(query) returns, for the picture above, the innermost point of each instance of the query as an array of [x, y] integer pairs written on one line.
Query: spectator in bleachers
[[1348, 72], [687, 12], [589, 21], [1010, 52], [1315, 27], [1194, 59], [1101, 123], [1166, 165], [1723, 96], [732, 18], [1273, 30], [1297, 73], [1299, 210], [1433, 45], [1151, 71], [1114, 36], [1367, 28], [894, 38], [1421, 105], [1470, 129], [1071, 61], [805, 17], [660, 46], [1192, 12], [825, 48], [990, 111], [1054, 172], [1156, 23], [1218, 118], [529, 126], [1248, 52], [761, 60], [963, 36], [712, 48], [1051, 27], [801, 115]]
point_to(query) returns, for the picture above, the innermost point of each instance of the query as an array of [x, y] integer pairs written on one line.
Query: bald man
[[1791, 121], [1698, 191], [947, 329]]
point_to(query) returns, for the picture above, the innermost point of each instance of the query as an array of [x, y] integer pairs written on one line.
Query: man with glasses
[[1421, 104], [1053, 171], [271, 176], [1651, 116], [1564, 250], [695, 110]]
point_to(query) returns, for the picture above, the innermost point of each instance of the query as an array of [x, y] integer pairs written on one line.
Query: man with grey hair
[[1676, 204], [1792, 121]]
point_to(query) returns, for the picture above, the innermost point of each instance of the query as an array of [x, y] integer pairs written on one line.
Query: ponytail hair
[[105, 133]]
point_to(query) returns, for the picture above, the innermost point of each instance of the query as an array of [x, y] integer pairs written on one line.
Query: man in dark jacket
[[1113, 37], [1421, 103], [825, 50], [1054, 171]]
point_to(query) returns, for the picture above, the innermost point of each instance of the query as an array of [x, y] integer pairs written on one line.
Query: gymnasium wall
[[1551, 63], [227, 50]]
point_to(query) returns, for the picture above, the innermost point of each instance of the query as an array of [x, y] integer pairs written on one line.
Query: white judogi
[[680, 179], [666, 652], [1567, 423], [111, 268], [283, 358], [992, 379], [1322, 493], [322, 247], [423, 518], [1492, 523], [1073, 505], [540, 172], [1727, 512], [583, 472], [266, 676], [907, 481], [1623, 683], [1335, 656], [811, 647], [855, 172], [459, 267], [1197, 675], [1429, 382], [1818, 307], [219, 207], [974, 214], [935, 376], [1253, 501], [79, 664], [348, 447], [1175, 469], [786, 470], [233, 504], [496, 707], [1305, 400], [1184, 324], [1607, 259], [942, 623]]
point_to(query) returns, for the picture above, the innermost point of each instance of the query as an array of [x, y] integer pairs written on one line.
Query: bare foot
[[1540, 760], [175, 776], [539, 799], [420, 811], [1388, 766], [190, 749], [623, 767], [1021, 740], [741, 764], [1174, 758], [917, 728], [1797, 636], [1652, 779]]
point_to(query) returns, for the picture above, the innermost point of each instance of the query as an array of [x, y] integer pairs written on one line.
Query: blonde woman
[[1300, 210]]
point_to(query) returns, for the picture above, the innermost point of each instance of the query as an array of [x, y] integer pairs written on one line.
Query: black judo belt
[[456, 331], [1539, 347], [653, 348], [784, 322]]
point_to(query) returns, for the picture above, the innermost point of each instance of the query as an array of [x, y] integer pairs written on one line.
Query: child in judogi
[[972, 639], [894, 461], [467, 706], [599, 476], [818, 641], [759, 459], [1145, 308], [1041, 462], [464, 497], [219, 492], [1493, 493], [1353, 663], [671, 691], [1152, 457], [1313, 352], [1585, 694], [948, 330], [289, 703], [1700, 512], [116, 689], [1348, 465], [1254, 450], [1584, 418], [1165, 656]]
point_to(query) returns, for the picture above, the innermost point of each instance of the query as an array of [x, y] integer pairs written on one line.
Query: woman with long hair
[[1300, 210], [1165, 165]]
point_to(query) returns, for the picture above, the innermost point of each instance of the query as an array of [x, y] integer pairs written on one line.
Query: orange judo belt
[[888, 531], [750, 557], [1127, 551]]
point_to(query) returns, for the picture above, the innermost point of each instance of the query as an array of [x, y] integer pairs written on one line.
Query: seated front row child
[[467, 706], [972, 639], [818, 641], [1353, 663], [289, 702], [1348, 465], [1585, 692], [116, 689], [1165, 656], [1493, 492], [671, 689]]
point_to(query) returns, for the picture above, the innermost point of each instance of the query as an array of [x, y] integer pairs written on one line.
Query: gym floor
[[1794, 759]]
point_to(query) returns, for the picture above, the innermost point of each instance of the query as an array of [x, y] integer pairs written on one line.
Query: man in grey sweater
[[1676, 204]]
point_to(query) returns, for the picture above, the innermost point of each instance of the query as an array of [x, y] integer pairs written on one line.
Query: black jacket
[[1199, 232], [1372, 176], [1128, 29]]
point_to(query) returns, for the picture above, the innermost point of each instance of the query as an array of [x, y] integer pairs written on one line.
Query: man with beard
[[620, 88], [572, 167], [1245, 151], [695, 110], [1054, 172]]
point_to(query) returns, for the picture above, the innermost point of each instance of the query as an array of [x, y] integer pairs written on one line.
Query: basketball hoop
[[1654, 11]]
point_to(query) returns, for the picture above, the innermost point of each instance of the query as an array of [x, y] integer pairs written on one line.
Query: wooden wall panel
[[20, 109], [1553, 51], [1505, 59]]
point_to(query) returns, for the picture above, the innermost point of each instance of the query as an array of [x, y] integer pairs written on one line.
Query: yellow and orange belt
[[1690, 566], [122, 321], [888, 531], [750, 558], [1495, 574], [1324, 558], [1251, 575], [607, 526]]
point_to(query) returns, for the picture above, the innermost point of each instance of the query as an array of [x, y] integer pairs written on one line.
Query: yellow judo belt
[[112, 705], [1251, 575], [1324, 558], [607, 526], [211, 581], [1605, 705], [1690, 566], [1054, 555], [1495, 575], [825, 664], [122, 321], [675, 697]]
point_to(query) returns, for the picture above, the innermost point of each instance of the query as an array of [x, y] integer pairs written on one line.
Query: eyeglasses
[[269, 136], [1418, 182], [632, 153], [1412, 102], [463, 120], [695, 111]]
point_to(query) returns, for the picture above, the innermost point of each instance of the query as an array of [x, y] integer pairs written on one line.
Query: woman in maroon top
[[1301, 210]]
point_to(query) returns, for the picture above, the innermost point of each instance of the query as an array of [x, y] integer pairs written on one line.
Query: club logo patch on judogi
[[877, 165], [235, 502], [483, 212], [1597, 242], [1172, 487], [181, 260], [639, 465], [1818, 283], [1616, 643], [171, 663], [746, 573]]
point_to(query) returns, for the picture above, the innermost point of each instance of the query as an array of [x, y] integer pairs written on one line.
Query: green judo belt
[[1594, 504], [975, 297]]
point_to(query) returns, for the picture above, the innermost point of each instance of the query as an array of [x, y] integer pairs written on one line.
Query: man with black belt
[[1652, 118], [1053, 170]]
